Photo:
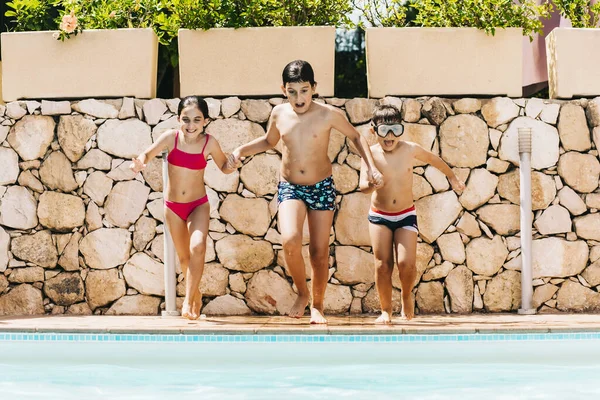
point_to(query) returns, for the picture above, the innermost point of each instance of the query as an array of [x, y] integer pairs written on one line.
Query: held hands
[[457, 184], [375, 178], [234, 160], [137, 165]]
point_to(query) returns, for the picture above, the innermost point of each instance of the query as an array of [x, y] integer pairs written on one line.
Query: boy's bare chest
[[394, 165], [307, 134]]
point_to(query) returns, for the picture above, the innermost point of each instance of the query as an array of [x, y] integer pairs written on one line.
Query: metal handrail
[[170, 273]]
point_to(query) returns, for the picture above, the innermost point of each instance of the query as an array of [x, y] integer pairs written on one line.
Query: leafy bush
[[487, 15], [168, 16], [113, 14], [40, 15], [386, 13], [31, 15], [581, 13], [206, 14]]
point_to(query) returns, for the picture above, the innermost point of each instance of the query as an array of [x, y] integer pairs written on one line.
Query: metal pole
[[525, 180], [170, 274]]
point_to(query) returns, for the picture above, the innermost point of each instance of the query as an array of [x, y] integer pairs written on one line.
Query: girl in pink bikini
[[187, 212]]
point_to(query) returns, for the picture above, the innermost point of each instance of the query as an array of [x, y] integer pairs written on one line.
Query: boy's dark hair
[[191, 101], [298, 71], [386, 114]]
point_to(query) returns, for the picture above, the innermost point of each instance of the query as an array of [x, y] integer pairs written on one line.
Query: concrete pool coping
[[338, 325]]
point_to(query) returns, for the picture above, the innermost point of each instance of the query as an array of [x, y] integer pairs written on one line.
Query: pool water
[[471, 369]]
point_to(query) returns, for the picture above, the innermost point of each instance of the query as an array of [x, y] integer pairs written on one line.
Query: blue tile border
[[283, 338]]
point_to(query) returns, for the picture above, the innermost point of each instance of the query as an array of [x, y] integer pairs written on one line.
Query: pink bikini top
[[187, 160]]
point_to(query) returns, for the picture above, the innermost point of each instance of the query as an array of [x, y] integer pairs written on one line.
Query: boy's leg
[[198, 222], [319, 226], [383, 246], [291, 220], [181, 240], [406, 251]]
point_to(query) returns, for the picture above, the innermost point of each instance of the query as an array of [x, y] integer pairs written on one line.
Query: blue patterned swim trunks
[[320, 196]]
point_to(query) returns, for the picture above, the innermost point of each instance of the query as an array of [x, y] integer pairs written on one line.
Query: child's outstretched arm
[[364, 185], [140, 162], [221, 160], [259, 145], [340, 123], [435, 161]]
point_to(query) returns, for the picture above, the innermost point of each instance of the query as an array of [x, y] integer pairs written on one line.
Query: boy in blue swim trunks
[[306, 187], [392, 217]]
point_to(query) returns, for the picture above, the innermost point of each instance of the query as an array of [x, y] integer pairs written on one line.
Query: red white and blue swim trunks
[[406, 219]]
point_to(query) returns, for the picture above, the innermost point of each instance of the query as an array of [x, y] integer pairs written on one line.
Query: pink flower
[[69, 23], [112, 14]]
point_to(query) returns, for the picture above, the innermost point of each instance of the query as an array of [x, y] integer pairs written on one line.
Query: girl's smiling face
[[192, 121]]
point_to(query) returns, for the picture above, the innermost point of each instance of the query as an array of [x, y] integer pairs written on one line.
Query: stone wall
[[81, 234]]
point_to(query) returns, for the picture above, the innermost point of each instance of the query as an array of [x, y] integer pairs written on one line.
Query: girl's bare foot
[[384, 318], [408, 307], [316, 317], [197, 304], [299, 306], [186, 310]]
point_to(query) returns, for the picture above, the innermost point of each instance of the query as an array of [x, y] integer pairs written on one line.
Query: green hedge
[[581, 13], [487, 15], [168, 16]]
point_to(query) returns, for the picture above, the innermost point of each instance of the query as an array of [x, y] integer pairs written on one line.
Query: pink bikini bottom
[[183, 210]]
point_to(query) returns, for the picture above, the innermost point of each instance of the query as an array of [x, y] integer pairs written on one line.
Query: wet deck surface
[[475, 323]]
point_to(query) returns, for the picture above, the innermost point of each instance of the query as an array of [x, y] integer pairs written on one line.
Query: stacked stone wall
[[81, 234]]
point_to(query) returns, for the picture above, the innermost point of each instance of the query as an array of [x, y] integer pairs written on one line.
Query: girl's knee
[[197, 246], [184, 259]]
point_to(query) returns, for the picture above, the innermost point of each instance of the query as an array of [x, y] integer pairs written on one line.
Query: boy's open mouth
[[388, 142], [300, 105]]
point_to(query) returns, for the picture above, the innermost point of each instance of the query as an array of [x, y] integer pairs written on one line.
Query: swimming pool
[[477, 366]]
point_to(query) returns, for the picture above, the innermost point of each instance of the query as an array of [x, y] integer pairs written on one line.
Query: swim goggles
[[383, 130]]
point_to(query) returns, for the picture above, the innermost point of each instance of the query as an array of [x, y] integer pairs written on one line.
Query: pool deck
[[248, 325]]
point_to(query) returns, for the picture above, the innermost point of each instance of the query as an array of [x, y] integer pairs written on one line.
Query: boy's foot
[[384, 318], [299, 306], [316, 317], [408, 307]]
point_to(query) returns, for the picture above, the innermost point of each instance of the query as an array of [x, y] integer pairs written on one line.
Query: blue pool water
[[185, 367]]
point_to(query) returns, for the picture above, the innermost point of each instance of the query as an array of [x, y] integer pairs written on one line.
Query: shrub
[[39, 15], [581, 13], [487, 15], [194, 14], [31, 15], [386, 13], [168, 16]]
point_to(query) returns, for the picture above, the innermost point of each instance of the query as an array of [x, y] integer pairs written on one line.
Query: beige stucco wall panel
[[444, 61], [1, 101], [249, 61], [573, 62], [95, 63]]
